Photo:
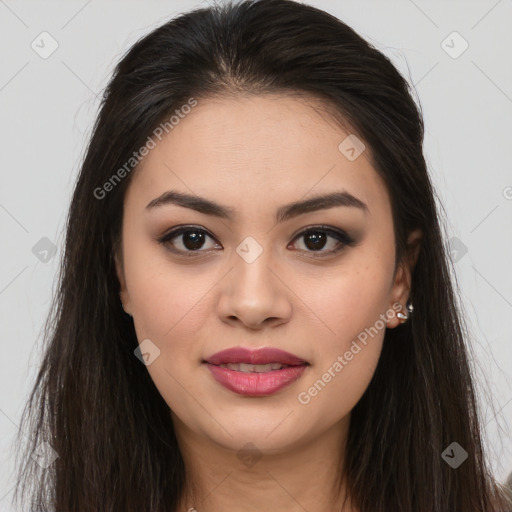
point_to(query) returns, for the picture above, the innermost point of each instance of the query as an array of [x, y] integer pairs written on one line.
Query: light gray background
[[48, 106]]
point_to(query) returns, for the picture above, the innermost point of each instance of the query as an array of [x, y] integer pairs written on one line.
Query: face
[[317, 282]]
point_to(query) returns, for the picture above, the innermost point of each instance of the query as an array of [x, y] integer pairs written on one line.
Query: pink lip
[[255, 384], [255, 356]]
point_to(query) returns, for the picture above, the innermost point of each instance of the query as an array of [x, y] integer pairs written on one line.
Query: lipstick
[[255, 372]]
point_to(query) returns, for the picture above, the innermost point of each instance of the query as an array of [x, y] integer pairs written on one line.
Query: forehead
[[256, 148]]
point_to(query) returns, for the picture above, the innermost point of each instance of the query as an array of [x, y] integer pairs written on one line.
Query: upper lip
[[264, 355]]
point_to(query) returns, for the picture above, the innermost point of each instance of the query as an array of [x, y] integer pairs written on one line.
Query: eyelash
[[341, 236]]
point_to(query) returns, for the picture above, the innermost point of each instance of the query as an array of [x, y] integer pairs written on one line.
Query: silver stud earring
[[403, 317]]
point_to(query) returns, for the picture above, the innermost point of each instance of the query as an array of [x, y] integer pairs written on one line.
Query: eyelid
[[330, 230], [342, 236], [179, 230]]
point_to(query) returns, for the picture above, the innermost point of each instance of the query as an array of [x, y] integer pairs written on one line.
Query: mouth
[[259, 372], [254, 368]]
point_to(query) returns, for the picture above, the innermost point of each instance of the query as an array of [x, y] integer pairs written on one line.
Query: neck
[[295, 478]]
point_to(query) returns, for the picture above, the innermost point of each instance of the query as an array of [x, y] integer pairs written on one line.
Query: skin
[[289, 297]]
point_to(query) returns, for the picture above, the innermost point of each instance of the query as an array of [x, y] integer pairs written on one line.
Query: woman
[[255, 308]]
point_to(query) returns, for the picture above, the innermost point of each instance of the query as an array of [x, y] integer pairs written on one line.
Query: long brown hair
[[93, 401]]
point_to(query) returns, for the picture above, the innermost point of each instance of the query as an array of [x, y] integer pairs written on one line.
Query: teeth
[[253, 368]]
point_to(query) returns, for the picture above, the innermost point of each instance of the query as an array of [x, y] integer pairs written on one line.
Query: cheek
[[335, 389], [166, 298], [164, 305], [168, 310], [347, 349], [346, 304]]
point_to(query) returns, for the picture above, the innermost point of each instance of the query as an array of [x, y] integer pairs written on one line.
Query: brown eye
[[188, 239], [193, 240], [317, 238]]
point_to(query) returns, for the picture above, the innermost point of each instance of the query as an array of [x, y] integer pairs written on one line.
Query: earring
[[409, 307]]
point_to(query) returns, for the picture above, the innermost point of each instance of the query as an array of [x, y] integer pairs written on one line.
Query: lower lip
[[256, 384]]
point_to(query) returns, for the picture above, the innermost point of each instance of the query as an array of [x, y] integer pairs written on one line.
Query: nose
[[254, 294]]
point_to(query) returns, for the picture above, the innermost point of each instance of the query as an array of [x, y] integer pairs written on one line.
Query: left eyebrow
[[286, 212]]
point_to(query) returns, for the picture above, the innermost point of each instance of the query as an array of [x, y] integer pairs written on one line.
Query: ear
[[123, 292], [402, 285]]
